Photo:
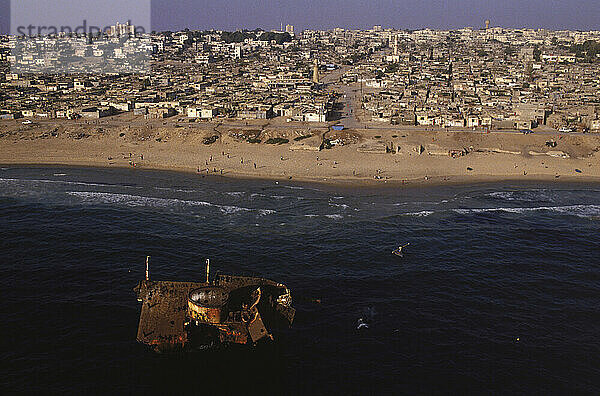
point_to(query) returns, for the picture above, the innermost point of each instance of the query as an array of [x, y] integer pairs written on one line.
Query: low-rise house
[[161, 112], [96, 112]]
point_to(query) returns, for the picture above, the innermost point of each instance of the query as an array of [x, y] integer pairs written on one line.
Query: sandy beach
[[399, 156]]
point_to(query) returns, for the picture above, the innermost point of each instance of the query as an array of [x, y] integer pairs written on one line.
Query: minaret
[[316, 72], [396, 45], [487, 24]]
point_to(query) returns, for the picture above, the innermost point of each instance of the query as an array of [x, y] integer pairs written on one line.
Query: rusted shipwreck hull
[[231, 309]]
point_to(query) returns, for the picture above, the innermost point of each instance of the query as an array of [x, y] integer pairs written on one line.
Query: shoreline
[[412, 159], [332, 182]]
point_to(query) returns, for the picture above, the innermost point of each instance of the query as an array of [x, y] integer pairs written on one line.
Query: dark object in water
[[365, 321], [228, 310], [578, 170], [469, 168], [362, 324], [398, 252]]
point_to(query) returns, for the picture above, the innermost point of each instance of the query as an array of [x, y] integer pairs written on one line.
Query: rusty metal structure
[[229, 310]]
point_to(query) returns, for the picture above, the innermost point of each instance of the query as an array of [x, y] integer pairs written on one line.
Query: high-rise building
[[122, 29]]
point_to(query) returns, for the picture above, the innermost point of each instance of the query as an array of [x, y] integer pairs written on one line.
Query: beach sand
[[493, 156]]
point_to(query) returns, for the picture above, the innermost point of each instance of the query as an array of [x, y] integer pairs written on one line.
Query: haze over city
[[355, 14]]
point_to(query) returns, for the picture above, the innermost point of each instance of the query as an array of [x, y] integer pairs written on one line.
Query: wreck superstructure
[[229, 310]]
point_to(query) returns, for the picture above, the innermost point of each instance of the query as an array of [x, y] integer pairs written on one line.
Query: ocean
[[498, 292]]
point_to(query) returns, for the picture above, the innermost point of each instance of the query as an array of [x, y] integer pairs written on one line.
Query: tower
[[396, 45], [316, 72], [487, 24]]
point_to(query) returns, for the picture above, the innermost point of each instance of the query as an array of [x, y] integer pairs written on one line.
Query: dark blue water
[[499, 291]]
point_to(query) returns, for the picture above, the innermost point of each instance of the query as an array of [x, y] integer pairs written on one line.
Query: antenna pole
[[147, 274], [207, 269]]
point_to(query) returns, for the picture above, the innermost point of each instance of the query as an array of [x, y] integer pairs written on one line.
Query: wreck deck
[[164, 305]]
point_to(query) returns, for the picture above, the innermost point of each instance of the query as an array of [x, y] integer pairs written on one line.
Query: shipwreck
[[229, 309]]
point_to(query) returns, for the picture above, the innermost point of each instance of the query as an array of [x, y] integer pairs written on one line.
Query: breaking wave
[[335, 216], [343, 206], [526, 196], [54, 181], [573, 210], [175, 189], [235, 193], [583, 211], [137, 201], [422, 213], [294, 187]]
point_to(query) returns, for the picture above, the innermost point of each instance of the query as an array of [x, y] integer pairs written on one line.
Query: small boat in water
[[398, 252]]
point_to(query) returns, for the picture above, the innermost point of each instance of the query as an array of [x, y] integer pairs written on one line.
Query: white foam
[[174, 189], [335, 216], [235, 193], [528, 196], [573, 210], [422, 213], [137, 200], [53, 181], [343, 206]]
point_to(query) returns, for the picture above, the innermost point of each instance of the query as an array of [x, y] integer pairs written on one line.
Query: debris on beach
[[210, 140]]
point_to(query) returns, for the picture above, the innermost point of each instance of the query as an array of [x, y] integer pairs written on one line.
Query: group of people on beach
[[210, 159]]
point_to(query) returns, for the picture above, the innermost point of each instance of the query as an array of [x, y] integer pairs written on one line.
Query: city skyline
[[351, 14], [311, 14]]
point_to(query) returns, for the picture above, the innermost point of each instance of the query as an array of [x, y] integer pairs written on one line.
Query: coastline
[[334, 182], [514, 158]]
